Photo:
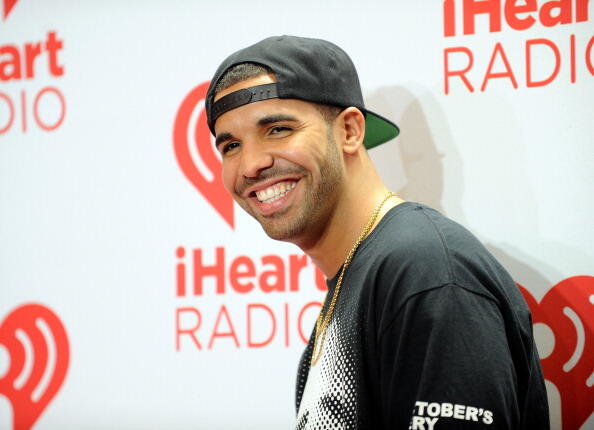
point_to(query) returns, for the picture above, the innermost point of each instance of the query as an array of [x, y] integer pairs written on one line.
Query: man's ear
[[351, 124]]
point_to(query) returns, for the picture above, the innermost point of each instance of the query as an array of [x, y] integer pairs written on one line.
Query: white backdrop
[[94, 202]]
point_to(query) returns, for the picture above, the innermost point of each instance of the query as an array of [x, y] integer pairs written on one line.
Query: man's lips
[[270, 196], [275, 191], [251, 191]]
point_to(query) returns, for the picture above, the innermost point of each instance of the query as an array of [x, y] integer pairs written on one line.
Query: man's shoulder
[[404, 255], [415, 235], [415, 248]]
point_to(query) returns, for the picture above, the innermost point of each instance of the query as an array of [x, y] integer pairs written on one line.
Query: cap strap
[[243, 97]]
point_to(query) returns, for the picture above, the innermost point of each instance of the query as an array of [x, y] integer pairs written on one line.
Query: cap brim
[[378, 130]]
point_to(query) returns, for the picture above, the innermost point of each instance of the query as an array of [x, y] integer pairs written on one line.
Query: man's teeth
[[275, 191]]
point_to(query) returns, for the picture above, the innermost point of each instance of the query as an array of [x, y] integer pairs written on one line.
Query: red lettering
[[543, 42], [462, 73], [572, 58], [15, 63], [476, 7], [10, 68], [273, 280], [300, 319], [261, 325], [58, 94], [512, 9], [10, 115], [250, 342], [24, 111], [188, 331], [563, 16], [216, 333], [492, 75], [31, 52], [180, 272], [449, 18], [242, 267], [581, 10], [244, 274], [589, 56], [53, 45], [39, 98], [296, 264], [217, 270], [287, 324], [551, 13]]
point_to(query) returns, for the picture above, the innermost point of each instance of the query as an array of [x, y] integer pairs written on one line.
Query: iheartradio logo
[[567, 310], [38, 355], [196, 155], [7, 7]]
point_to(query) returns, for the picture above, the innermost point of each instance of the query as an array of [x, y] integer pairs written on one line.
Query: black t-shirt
[[429, 332]]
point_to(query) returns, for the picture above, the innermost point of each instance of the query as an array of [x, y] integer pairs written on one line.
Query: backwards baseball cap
[[307, 69]]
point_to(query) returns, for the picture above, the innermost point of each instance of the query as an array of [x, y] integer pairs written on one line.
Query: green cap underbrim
[[378, 130]]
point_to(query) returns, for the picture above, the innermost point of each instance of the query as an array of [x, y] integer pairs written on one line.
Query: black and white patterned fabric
[[330, 397], [428, 332]]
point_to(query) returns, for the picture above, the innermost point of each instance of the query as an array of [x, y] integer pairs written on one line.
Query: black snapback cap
[[307, 69]]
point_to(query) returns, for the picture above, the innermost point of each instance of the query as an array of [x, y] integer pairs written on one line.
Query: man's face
[[280, 163]]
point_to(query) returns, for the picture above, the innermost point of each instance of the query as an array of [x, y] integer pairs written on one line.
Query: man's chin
[[278, 230], [276, 235], [281, 228], [279, 225]]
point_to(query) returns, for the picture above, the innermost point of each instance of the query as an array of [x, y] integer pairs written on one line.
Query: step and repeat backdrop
[[134, 294]]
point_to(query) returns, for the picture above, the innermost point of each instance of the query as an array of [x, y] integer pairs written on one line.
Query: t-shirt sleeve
[[444, 363]]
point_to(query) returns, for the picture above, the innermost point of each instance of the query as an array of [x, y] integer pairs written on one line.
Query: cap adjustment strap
[[243, 97]]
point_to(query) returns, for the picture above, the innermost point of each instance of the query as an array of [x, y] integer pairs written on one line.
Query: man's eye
[[226, 147], [279, 129]]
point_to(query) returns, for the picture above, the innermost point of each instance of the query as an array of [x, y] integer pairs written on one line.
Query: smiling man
[[421, 327]]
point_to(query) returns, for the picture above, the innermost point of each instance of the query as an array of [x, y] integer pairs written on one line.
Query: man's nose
[[254, 159]]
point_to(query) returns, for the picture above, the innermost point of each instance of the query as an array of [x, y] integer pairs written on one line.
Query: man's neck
[[332, 246]]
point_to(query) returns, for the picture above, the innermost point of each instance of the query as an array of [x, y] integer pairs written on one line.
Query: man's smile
[[275, 192], [272, 196]]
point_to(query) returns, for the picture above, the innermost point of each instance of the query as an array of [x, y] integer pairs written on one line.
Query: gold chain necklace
[[323, 321]]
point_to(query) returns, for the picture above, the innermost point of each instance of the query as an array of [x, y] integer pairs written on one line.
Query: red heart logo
[[39, 354], [185, 122], [568, 310], [8, 5]]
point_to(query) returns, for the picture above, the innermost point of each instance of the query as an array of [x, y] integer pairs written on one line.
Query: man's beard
[[316, 206]]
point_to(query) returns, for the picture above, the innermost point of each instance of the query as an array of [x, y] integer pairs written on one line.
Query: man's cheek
[[228, 179]]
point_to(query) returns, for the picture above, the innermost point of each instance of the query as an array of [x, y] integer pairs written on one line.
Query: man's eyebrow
[[270, 119], [222, 137]]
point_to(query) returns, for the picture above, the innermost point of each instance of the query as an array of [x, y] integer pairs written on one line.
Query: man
[[421, 327]]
